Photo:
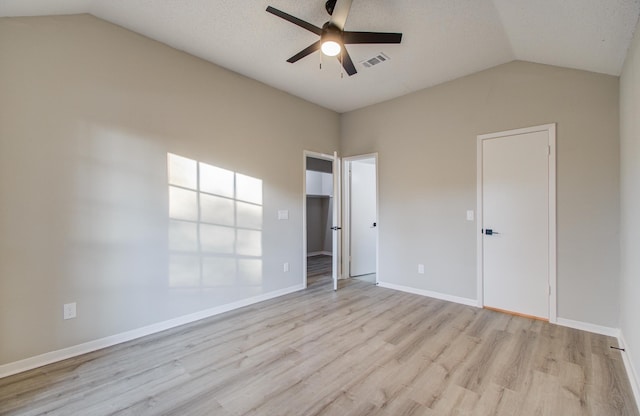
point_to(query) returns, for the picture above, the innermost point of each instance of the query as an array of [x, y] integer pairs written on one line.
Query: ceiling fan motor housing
[[331, 32]]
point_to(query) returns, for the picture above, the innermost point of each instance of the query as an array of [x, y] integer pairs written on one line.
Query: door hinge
[[549, 150]]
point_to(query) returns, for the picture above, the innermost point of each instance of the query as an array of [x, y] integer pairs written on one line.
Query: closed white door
[[515, 222], [363, 222]]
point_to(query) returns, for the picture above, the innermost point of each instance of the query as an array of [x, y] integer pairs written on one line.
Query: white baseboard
[[75, 350], [585, 326], [634, 380], [319, 253], [428, 293]]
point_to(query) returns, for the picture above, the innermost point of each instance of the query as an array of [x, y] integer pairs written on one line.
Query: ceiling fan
[[333, 37]]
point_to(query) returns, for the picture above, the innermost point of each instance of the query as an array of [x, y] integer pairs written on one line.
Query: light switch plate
[[283, 214], [470, 215]]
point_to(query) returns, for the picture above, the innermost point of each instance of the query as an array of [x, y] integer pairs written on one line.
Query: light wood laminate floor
[[363, 350], [319, 269]]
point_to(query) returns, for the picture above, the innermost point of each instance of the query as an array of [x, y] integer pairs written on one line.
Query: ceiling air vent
[[378, 59]]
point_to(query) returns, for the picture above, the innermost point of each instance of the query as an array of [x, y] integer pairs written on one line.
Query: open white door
[[336, 220]]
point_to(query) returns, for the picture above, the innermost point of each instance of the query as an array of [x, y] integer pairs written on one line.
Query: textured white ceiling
[[442, 39]]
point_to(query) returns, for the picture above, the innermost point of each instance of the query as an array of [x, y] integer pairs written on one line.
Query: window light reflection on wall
[[215, 229]]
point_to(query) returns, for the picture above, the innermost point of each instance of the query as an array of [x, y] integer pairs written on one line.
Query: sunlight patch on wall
[[215, 228]]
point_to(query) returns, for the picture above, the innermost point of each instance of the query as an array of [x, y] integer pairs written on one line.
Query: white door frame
[[551, 130], [305, 155], [346, 201]]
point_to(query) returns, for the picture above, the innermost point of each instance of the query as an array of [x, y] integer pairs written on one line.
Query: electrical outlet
[[286, 267], [69, 310], [420, 268]]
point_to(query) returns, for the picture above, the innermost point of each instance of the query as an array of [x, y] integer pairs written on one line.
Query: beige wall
[[630, 202], [427, 168], [88, 113]]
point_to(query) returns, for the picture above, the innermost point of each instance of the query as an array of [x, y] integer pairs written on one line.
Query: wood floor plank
[[518, 356], [573, 388], [541, 397], [363, 350], [497, 401]]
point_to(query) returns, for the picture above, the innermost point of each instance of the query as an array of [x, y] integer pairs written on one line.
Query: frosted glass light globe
[[330, 48]]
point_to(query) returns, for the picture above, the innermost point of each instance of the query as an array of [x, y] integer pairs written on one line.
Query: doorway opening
[[319, 204]]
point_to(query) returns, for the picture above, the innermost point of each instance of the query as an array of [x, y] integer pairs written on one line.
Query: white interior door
[[362, 217], [515, 222], [336, 221]]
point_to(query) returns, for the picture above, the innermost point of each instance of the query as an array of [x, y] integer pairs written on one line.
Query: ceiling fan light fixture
[[331, 40], [330, 47]]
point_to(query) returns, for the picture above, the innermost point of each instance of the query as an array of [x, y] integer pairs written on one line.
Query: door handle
[[489, 231], [336, 228]]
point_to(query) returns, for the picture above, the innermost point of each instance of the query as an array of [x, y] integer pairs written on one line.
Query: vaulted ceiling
[[442, 39]]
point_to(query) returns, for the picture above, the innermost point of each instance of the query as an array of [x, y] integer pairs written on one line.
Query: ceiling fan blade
[[347, 63], [340, 13], [295, 20], [306, 51], [371, 37]]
